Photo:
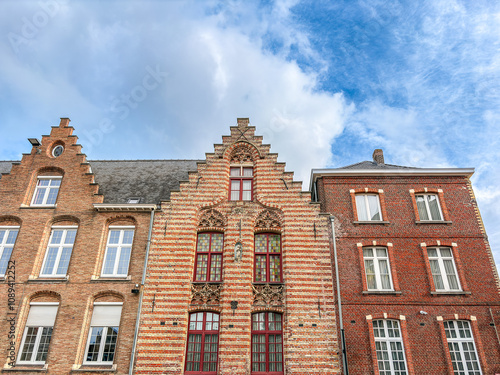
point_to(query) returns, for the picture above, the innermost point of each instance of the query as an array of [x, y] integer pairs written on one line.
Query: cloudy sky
[[325, 82]]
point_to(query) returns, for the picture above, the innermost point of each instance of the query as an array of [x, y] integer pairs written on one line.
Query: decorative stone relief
[[212, 218], [205, 294], [241, 154], [268, 295], [268, 220]]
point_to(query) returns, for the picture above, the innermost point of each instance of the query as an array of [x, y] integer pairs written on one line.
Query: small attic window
[[134, 200]]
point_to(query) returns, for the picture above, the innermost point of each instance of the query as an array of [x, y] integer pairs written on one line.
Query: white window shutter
[[106, 316], [42, 315]]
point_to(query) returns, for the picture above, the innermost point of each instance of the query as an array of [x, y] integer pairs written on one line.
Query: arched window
[[8, 235], [389, 347], [46, 190], [59, 249], [462, 347], [267, 343], [208, 265], [267, 258], [203, 343], [118, 249]]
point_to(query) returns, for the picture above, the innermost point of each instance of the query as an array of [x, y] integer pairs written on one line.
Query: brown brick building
[[73, 241], [418, 285], [239, 277]]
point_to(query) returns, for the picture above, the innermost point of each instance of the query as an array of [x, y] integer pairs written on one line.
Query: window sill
[[446, 222], [96, 279], [379, 222], [206, 282], [451, 293], [93, 368], [264, 283], [51, 206], [42, 279], [390, 292], [26, 368]]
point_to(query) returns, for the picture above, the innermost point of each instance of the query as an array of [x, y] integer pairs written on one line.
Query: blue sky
[[325, 82]]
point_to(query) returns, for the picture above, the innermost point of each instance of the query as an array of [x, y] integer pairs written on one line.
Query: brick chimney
[[378, 156]]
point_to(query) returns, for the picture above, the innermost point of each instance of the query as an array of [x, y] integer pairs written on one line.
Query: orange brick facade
[[304, 297], [76, 292], [414, 301]]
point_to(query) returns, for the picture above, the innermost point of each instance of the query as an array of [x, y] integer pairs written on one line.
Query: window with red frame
[[208, 265], [241, 184], [267, 343], [203, 343], [268, 258]]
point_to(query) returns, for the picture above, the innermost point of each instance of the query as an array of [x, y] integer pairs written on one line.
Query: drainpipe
[[137, 322], [339, 301]]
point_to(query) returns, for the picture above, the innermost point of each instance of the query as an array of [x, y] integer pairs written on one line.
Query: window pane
[[275, 268], [4, 259], [434, 207], [109, 261], [43, 346], [235, 172], [124, 260], [201, 267], [110, 345], [11, 238], [62, 268], [361, 208], [247, 172], [260, 243], [217, 241], [260, 268], [422, 210], [373, 207], [203, 242], [94, 344], [29, 343], [274, 243], [128, 236], [50, 261], [216, 267]]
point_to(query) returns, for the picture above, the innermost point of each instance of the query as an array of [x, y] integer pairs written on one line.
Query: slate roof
[[373, 165], [150, 180]]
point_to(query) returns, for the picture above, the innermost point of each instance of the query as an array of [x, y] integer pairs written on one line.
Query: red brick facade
[[413, 299], [276, 206], [76, 291]]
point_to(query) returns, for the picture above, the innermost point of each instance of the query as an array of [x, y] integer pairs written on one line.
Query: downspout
[[137, 322], [339, 301]]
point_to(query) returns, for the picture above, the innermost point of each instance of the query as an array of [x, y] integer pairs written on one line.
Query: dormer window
[[241, 183], [134, 200]]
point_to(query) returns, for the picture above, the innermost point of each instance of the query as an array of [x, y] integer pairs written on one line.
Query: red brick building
[[418, 285], [73, 242], [239, 279]]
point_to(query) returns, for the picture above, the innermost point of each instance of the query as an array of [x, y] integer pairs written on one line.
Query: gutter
[[124, 207], [339, 301], [139, 308]]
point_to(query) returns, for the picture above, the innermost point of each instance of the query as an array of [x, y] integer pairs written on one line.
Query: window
[[462, 349], [267, 343], [389, 347], [37, 333], [241, 183], [377, 270], [209, 257], [103, 333], [443, 269], [58, 252], [118, 251], [46, 191], [268, 258], [368, 207], [8, 237], [428, 207], [203, 343]]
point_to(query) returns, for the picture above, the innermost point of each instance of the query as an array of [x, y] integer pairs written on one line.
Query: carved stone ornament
[[241, 154], [212, 218], [205, 294], [268, 220], [238, 251], [268, 295]]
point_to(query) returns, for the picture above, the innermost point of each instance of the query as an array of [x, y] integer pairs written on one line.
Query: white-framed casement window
[[47, 188], [444, 272], [37, 333], [8, 235], [118, 249], [428, 207], [241, 183], [58, 251], [462, 348], [103, 333], [377, 268], [368, 207], [389, 347]]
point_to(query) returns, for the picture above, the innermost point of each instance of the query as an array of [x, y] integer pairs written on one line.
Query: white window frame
[[427, 208], [59, 251], [118, 246], [366, 207], [442, 270], [388, 340], [102, 343], [4, 245], [47, 192], [36, 346], [376, 266], [460, 342]]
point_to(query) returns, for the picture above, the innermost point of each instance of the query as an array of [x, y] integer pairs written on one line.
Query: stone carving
[[205, 294], [238, 251], [212, 218], [268, 220], [268, 295], [241, 154]]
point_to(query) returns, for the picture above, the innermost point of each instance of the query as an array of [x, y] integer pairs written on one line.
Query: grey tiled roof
[[373, 165], [150, 180]]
